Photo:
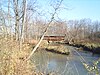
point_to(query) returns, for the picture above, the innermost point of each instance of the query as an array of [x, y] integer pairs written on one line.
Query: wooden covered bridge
[[54, 37]]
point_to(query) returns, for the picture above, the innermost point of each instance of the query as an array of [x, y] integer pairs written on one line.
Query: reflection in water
[[62, 64], [52, 65]]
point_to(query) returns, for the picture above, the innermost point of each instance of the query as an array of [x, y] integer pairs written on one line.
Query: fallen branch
[[52, 18]]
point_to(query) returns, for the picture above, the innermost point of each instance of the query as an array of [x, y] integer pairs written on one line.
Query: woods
[[17, 21], [23, 25], [84, 29]]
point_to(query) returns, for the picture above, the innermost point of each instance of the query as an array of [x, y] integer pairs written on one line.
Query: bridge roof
[[55, 35]]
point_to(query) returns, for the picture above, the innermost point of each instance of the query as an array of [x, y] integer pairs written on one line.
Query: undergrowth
[[12, 59]]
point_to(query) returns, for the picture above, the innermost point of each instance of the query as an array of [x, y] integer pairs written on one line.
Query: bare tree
[[16, 11], [52, 18], [23, 23]]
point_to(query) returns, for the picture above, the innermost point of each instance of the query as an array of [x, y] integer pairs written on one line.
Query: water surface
[[63, 64]]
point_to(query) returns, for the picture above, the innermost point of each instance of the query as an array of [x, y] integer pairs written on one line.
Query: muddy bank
[[58, 52], [91, 48], [60, 49]]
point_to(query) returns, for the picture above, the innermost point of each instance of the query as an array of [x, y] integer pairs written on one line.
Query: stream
[[48, 62]]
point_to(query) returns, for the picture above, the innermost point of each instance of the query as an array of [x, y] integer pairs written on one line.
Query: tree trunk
[[23, 24], [17, 19]]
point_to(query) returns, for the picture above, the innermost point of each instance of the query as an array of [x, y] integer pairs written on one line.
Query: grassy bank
[[12, 59], [92, 46], [58, 49]]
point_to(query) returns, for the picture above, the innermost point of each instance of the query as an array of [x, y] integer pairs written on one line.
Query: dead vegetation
[[60, 49], [12, 59]]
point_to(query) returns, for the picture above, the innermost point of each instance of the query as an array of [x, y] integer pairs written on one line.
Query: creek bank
[[58, 52], [12, 59], [60, 49], [85, 47]]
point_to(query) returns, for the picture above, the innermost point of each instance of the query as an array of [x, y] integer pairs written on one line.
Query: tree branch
[[52, 18]]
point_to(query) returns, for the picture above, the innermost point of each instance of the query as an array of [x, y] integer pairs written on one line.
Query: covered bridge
[[54, 37]]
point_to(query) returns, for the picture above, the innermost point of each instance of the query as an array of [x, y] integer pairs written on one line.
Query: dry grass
[[12, 59], [88, 43], [44, 44], [95, 45], [59, 49]]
